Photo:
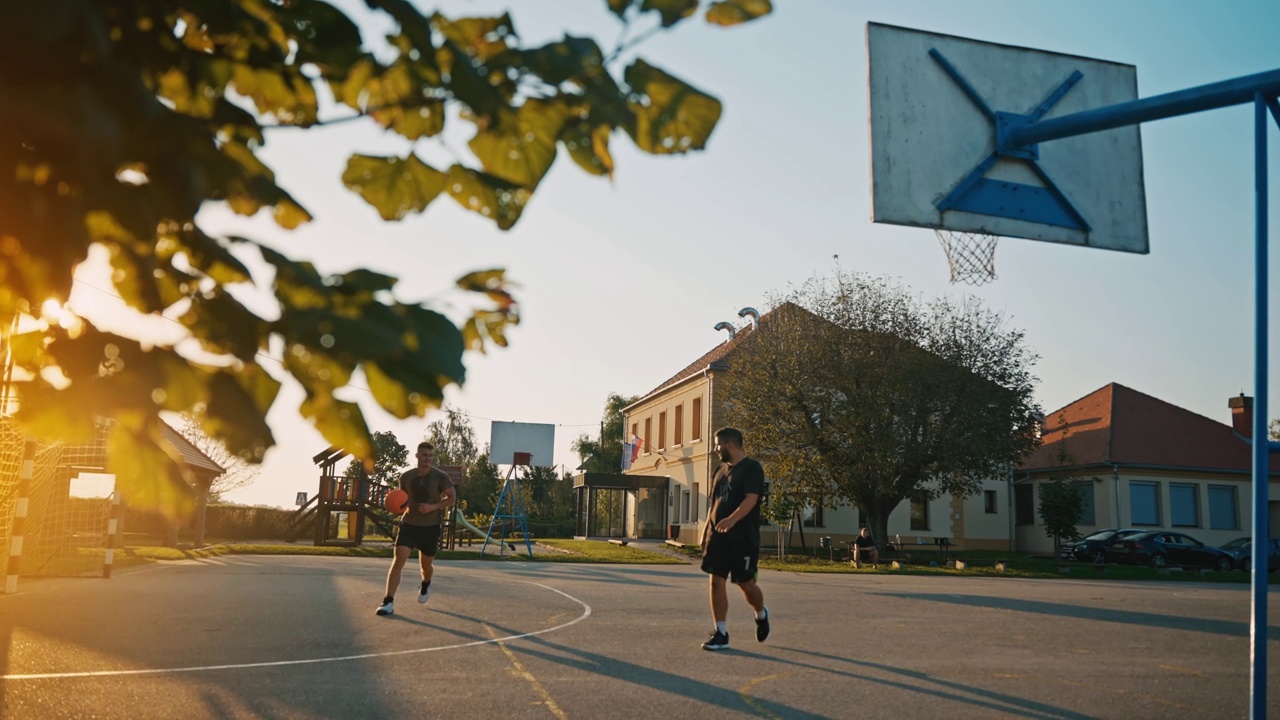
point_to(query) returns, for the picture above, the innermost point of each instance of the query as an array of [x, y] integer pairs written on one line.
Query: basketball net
[[972, 255]]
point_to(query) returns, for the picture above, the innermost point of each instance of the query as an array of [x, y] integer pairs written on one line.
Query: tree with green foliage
[[453, 438], [1274, 430], [1061, 500], [124, 118], [1061, 507], [857, 390], [478, 495], [604, 453], [390, 458]]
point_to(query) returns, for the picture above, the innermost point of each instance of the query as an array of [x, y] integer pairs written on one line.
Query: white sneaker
[[387, 608], [423, 592]]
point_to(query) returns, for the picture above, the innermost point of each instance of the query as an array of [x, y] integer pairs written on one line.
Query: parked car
[[1161, 548], [1241, 551], [1093, 547]]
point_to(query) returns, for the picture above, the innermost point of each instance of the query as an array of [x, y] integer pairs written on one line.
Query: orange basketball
[[396, 500]]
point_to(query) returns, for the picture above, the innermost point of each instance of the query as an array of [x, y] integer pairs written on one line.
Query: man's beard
[[725, 457]]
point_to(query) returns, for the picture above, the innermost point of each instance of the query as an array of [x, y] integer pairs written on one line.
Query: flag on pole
[[626, 455], [635, 447]]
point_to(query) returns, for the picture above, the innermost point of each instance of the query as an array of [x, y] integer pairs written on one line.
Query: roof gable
[[718, 356], [1121, 426], [192, 456]]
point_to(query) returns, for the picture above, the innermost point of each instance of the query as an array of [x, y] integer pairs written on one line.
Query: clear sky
[[622, 282]]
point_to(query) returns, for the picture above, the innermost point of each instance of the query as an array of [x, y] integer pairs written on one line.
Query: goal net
[[68, 505]]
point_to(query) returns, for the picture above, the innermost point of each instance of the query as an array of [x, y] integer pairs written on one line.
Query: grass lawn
[[571, 551], [978, 563]]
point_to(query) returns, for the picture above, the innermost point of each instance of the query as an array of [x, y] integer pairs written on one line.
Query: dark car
[[1161, 548], [1093, 547], [1241, 550]]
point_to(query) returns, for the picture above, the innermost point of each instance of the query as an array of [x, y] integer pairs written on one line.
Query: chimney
[[1241, 414]]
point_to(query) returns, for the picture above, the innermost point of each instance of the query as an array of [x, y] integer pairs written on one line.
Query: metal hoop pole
[[1261, 446]]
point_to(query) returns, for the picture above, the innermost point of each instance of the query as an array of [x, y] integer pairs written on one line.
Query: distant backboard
[[939, 104], [508, 438]]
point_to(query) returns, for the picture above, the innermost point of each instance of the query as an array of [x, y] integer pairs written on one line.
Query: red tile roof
[[1121, 426]]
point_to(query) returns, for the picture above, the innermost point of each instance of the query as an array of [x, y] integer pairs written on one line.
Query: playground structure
[[343, 509]]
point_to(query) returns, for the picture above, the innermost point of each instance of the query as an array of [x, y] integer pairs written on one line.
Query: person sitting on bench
[[865, 545]]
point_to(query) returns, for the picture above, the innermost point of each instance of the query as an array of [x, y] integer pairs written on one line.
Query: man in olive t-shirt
[[430, 492]]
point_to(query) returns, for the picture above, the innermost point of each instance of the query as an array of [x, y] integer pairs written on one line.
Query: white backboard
[[928, 137], [508, 438]]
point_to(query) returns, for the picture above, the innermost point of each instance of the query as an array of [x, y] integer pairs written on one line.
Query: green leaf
[[395, 187], [290, 215], [736, 12], [492, 197], [619, 7], [236, 411], [365, 282], [402, 98], [671, 117], [416, 28], [482, 38], [577, 59], [297, 284], [213, 259], [672, 11], [145, 471], [471, 85], [524, 151], [287, 96], [324, 35], [589, 147], [430, 357], [341, 423], [318, 371], [223, 325], [393, 396]]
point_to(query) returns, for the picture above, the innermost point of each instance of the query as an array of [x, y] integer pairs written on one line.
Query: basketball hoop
[[972, 255]]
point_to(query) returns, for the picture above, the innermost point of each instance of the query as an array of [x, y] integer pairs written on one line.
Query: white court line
[[586, 613]]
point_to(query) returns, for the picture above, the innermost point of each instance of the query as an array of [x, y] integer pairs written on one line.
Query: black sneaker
[[424, 592], [387, 608], [762, 627], [717, 641]]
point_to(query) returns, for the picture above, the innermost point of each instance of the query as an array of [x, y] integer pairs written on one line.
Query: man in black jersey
[[731, 539]]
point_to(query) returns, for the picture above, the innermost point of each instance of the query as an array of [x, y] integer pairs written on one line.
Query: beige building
[[1141, 462], [675, 422], [1144, 463]]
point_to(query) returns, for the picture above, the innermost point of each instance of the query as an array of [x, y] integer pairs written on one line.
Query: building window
[[662, 430], [679, 428], [1024, 505], [697, 504], [684, 506], [920, 513], [695, 424], [1087, 513], [648, 438], [635, 431], [816, 519], [1144, 502], [1184, 505], [1222, 508], [989, 502]]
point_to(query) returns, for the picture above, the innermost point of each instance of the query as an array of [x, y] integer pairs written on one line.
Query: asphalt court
[[296, 637]]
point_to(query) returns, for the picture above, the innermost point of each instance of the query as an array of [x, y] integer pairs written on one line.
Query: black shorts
[[426, 538], [737, 561]]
